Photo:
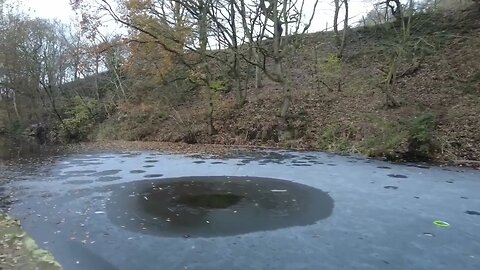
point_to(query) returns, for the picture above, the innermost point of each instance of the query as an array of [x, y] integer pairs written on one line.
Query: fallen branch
[[410, 71]]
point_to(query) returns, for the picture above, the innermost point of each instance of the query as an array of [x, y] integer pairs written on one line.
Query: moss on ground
[[19, 251]]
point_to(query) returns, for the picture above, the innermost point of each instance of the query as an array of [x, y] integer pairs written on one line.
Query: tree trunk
[[335, 21], [48, 88], [120, 84], [49, 92], [258, 70], [211, 128], [287, 100], [236, 58], [390, 101], [15, 107], [397, 56], [241, 93], [287, 93], [345, 30], [95, 80], [253, 50], [279, 55], [203, 32], [6, 107], [97, 90]]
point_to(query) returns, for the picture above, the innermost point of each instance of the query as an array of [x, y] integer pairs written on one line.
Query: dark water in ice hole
[[215, 206]]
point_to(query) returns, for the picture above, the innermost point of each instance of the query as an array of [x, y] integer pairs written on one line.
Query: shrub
[[132, 123], [331, 70], [217, 85], [337, 138], [387, 140], [80, 119], [421, 143]]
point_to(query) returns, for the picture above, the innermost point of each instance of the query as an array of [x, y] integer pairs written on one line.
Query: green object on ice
[[441, 223]]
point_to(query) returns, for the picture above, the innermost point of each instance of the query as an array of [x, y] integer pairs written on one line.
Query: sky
[[54, 9], [61, 10]]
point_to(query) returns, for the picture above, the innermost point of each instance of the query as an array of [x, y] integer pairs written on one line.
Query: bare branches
[[238, 28]]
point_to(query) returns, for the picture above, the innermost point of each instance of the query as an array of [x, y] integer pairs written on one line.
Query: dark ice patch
[[108, 178], [79, 182], [397, 176], [217, 162], [153, 175], [107, 172]]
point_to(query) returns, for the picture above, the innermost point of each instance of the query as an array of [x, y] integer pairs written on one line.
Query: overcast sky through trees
[[60, 9]]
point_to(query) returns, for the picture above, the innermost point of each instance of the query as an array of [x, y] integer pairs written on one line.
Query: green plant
[[336, 138], [217, 85], [331, 64], [331, 70], [421, 143], [79, 120], [386, 140]]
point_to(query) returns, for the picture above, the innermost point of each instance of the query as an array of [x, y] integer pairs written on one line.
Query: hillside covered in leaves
[[407, 88]]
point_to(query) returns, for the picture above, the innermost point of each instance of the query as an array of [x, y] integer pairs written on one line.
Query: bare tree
[[164, 22], [338, 5], [280, 19], [49, 55], [225, 29], [345, 30], [395, 8], [395, 55], [34, 66], [340, 41], [249, 21], [283, 20], [203, 7]]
